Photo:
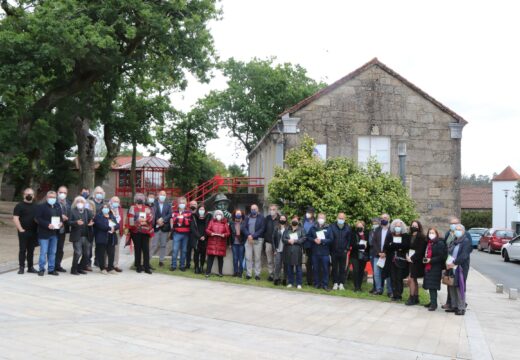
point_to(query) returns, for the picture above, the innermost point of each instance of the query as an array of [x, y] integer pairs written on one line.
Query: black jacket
[[294, 252], [363, 251], [323, 248], [419, 245], [198, 229], [432, 278], [165, 214], [43, 216], [376, 240], [463, 255], [396, 251], [75, 229], [270, 226], [341, 239], [102, 228]]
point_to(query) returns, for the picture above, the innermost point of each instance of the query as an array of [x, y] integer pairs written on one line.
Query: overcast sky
[[463, 53]]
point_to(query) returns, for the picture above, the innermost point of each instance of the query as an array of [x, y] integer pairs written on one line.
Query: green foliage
[[476, 180], [336, 185], [516, 195], [235, 170], [479, 218], [257, 92]]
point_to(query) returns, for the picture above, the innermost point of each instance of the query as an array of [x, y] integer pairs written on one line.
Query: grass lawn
[[263, 282]]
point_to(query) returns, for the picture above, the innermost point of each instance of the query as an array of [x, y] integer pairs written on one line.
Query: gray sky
[[463, 53]]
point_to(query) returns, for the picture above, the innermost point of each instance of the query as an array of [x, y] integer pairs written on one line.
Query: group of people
[[97, 226]]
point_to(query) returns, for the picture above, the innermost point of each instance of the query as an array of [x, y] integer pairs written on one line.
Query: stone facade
[[376, 102]]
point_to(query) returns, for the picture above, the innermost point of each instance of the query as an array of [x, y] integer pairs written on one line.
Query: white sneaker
[[299, 287], [104, 272], [289, 286], [113, 272], [335, 287], [341, 287]]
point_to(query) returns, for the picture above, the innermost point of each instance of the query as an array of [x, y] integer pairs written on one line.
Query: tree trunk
[[86, 151], [3, 168], [132, 168], [113, 147]]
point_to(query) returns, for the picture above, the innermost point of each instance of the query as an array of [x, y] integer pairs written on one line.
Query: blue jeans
[[290, 274], [379, 281], [238, 258], [48, 249], [320, 263], [180, 242]]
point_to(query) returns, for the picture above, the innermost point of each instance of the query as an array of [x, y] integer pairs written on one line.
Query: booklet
[[363, 242], [293, 236], [381, 262], [55, 221], [411, 253], [320, 235], [450, 260], [397, 239], [142, 215], [111, 223]]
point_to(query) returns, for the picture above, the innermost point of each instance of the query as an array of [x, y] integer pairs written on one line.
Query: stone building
[[375, 112]]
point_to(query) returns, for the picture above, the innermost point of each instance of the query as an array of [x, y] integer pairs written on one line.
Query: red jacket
[[133, 223], [217, 245], [180, 222]]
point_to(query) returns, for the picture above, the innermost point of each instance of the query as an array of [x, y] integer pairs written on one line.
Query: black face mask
[[384, 222], [193, 208], [294, 222], [414, 229], [283, 222], [139, 202], [29, 197], [359, 229]]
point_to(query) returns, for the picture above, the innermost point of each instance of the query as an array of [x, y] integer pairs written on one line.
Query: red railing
[[125, 192], [220, 184]]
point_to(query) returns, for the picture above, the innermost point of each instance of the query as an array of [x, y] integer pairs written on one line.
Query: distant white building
[[505, 213]]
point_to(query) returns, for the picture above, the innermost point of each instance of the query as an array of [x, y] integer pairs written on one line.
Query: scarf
[[429, 253]]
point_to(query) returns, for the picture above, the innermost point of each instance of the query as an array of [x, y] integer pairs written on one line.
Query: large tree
[[257, 91]]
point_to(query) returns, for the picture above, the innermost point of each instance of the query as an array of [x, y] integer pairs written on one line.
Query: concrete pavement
[[134, 315]]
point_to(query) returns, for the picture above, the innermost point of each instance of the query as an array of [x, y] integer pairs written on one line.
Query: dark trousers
[[200, 255], [26, 242], [433, 297], [220, 260], [189, 252], [308, 266], [339, 264], [86, 256], [141, 250], [80, 247], [397, 275], [320, 267], [59, 250], [292, 271], [358, 267], [101, 251]]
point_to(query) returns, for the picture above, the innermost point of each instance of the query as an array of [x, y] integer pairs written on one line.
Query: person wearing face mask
[[193, 207], [293, 240], [49, 219], [396, 250], [117, 210], [373, 253], [341, 242], [162, 216], [237, 243], [253, 229], [180, 224], [382, 235], [81, 234], [105, 235], [320, 252], [190, 250], [140, 226], [65, 205], [308, 224], [457, 265], [279, 255], [218, 233], [449, 237], [360, 256], [99, 201], [198, 238], [415, 260], [271, 223], [23, 218], [434, 258]]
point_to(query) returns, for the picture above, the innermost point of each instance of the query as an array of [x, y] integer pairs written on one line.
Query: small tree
[[336, 185], [516, 195]]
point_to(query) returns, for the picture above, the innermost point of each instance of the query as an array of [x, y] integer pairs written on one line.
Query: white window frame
[[370, 146]]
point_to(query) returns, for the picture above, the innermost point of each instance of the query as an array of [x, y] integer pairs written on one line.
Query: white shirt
[[384, 231]]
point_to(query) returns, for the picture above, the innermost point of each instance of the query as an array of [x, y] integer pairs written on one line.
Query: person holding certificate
[[80, 222], [396, 250], [218, 233], [293, 240], [140, 226], [434, 258], [458, 265], [320, 243], [341, 242], [105, 234], [49, 219], [415, 259], [360, 257]]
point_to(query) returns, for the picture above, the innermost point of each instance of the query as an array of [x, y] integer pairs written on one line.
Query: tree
[[478, 218], [235, 170], [476, 180], [257, 92], [336, 185], [516, 195]]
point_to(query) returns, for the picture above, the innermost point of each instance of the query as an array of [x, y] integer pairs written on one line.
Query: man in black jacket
[[382, 235], [23, 218], [65, 205], [49, 220], [271, 223], [340, 236]]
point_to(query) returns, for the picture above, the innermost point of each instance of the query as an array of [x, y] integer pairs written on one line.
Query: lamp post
[[506, 192]]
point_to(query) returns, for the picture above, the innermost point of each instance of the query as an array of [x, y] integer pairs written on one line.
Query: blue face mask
[[115, 205], [99, 196], [254, 212], [162, 198], [84, 194], [453, 226], [238, 216], [398, 229], [182, 206], [51, 201], [341, 222], [105, 211], [458, 233]]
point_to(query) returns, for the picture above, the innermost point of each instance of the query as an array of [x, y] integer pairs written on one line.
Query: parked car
[[493, 239], [511, 250], [476, 234]]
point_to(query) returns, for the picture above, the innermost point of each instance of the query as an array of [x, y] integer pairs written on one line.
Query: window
[[377, 147], [320, 150]]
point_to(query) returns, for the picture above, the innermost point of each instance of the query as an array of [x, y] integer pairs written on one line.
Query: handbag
[[448, 278]]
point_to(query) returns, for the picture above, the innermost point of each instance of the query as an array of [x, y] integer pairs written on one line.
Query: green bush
[[476, 218]]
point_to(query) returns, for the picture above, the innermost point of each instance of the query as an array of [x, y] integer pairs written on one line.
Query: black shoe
[[41, 272], [21, 270], [460, 312], [139, 270], [74, 273], [32, 270], [161, 264], [82, 272], [378, 293], [240, 275], [432, 307], [172, 268], [284, 282], [390, 295], [317, 286], [427, 305], [248, 277], [277, 282], [410, 301], [357, 290], [373, 291], [183, 269], [257, 278], [270, 278], [188, 266], [60, 269], [152, 268], [55, 273], [148, 271], [450, 310], [326, 288]]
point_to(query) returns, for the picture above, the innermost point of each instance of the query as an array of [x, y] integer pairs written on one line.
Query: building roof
[[509, 174], [476, 197], [147, 162]]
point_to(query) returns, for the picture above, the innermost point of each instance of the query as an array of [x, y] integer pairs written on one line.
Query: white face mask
[[432, 236], [80, 206], [218, 217], [308, 215], [321, 221], [62, 196], [273, 213]]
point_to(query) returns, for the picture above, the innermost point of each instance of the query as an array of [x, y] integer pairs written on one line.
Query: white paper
[[320, 235], [363, 242], [397, 239], [55, 221], [293, 236], [111, 223], [381, 262], [142, 215], [411, 253]]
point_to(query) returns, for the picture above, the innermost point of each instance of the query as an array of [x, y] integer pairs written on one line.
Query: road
[[494, 267]]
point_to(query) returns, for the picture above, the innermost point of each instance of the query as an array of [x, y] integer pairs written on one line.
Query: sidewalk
[[143, 316]]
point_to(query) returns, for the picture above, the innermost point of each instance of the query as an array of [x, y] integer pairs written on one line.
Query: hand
[[250, 237], [317, 241], [291, 241], [408, 259], [21, 230], [202, 238], [91, 223], [61, 225], [65, 217], [450, 266], [427, 261], [51, 226], [382, 255], [80, 222], [111, 230]]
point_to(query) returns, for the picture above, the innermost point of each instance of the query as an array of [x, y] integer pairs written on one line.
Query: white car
[[511, 250]]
